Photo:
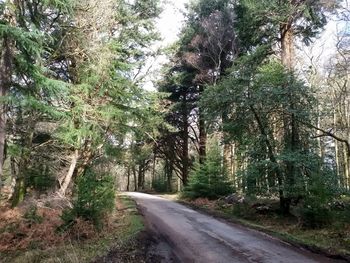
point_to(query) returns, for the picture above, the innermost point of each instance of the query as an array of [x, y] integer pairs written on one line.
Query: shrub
[[95, 197], [160, 185], [316, 211], [209, 179]]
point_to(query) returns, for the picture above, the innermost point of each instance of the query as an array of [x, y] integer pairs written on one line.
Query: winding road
[[196, 237]]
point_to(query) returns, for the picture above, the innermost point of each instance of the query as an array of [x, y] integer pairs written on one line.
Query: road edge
[[274, 234]]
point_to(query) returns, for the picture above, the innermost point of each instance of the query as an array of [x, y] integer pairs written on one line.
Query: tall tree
[[25, 35], [273, 27], [208, 46], [175, 145]]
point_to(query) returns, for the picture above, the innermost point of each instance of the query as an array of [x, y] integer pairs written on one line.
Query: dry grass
[[18, 232], [27, 236]]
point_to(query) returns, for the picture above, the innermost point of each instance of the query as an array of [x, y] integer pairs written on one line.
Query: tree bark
[[287, 46], [5, 82], [68, 178], [20, 186], [128, 182], [229, 161], [135, 178], [185, 153], [202, 139], [346, 154], [169, 175]]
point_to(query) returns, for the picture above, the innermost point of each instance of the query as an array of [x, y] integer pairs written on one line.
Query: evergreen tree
[[209, 179], [265, 98], [25, 81]]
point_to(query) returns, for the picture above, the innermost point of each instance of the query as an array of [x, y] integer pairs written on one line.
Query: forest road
[[196, 237]]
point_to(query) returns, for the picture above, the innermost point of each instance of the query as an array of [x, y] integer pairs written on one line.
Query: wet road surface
[[196, 237]]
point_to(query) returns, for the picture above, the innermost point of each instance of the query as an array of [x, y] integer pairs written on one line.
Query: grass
[[125, 224], [332, 240]]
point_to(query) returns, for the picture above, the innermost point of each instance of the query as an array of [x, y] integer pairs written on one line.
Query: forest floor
[[332, 240], [30, 234]]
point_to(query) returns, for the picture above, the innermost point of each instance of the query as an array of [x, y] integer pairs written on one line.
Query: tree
[[208, 46], [174, 145], [24, 32], [75, 70], [205, 50], [209, 180], [104, 103], [268, 99]]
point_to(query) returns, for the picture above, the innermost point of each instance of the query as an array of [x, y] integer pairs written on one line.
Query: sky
[[169, 26], [171, 20]]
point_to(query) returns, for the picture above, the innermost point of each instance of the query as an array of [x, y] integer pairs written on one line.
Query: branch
[[329, 134]]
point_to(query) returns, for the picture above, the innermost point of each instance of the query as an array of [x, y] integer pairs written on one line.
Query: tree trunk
[[284, 202], [141, 176], [128, 182], [5, 82], [185, 152], [287, 46], [68, 178], [202, 139], [289, 123], [20, 186], [202, 132], [169, 175], [154, 165], [86, 157], [346, 166], [229, 163], [14, 172], [228, 151], [135, 178]]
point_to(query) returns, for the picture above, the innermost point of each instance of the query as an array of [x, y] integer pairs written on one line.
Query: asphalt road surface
[[196, 237]]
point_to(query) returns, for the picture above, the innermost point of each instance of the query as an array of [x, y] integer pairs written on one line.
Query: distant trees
[[336, 123]]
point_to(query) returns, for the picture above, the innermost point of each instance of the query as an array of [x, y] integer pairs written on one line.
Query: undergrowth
[[82, 243]]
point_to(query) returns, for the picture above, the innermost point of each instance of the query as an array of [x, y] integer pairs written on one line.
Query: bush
[[160, 185], [315, 216], [209, 180], [316, 211], [95, 197]]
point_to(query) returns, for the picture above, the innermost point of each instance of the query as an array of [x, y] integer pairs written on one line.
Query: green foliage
[[321, 191], [259, 22], [160, 185], [39, 178], [209, 179], [94, 198]]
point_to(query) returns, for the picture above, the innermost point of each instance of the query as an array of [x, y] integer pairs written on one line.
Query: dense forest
[[247, 105]]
